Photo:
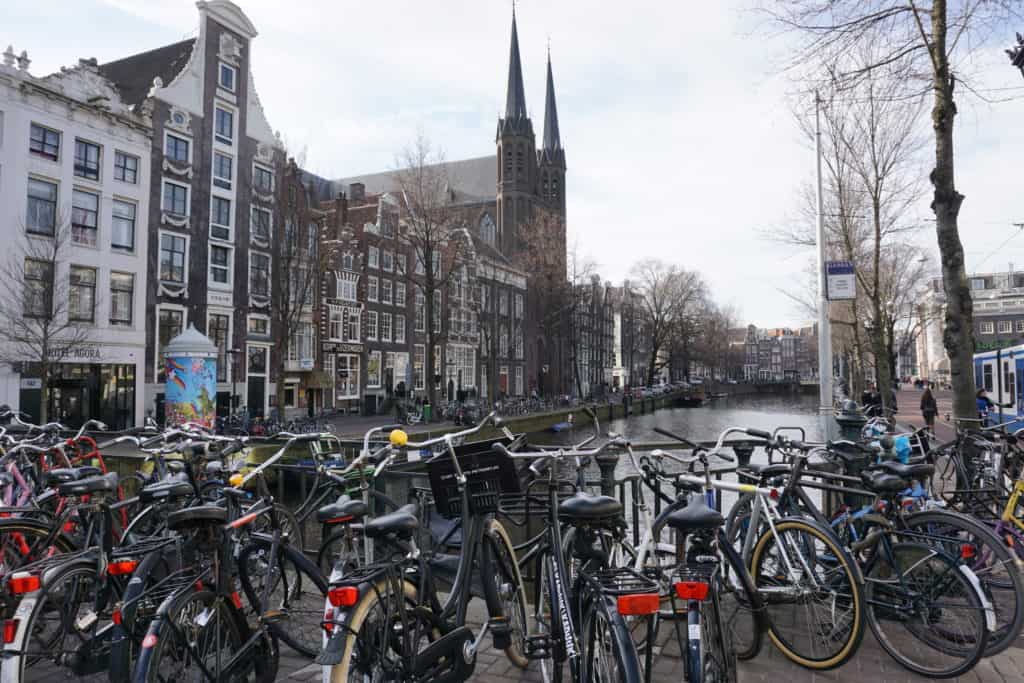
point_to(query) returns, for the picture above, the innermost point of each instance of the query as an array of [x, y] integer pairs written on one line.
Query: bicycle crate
[[624, 581], [489, 474]]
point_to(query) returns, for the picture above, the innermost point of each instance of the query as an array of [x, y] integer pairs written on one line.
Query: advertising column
[[191, 391]]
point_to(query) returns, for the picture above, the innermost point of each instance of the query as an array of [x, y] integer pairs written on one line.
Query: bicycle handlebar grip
[[759, 433], [498, 447]]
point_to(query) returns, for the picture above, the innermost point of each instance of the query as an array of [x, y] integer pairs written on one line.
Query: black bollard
[[743, 454], [607, 462]]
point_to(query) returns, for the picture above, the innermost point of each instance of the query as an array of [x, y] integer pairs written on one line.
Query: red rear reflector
[[122, 567], [343, 596], [24, 583], [328, 622], [10, 630], [149, 641], [243, 520], [645, 603], [236, 599], [339, 520], [116, 617], [967, 551], [692, 590], [774, 494]]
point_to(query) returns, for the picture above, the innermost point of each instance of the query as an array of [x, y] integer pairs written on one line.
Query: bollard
[[743, 454], [607, 462]]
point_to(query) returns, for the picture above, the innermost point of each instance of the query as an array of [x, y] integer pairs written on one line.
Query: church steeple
[[515, 99], [552, 141]]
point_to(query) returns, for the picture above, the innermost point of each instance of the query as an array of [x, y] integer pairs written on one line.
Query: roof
[[471, 179], [515, 99], [552, 141], [134, 75]]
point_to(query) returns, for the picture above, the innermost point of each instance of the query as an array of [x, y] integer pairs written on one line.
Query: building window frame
[[223, 169], [372, 288], [174, 145], [988, 327], [222, 134], [126, 167], [159, 367], [229, 83], [123, 222], [46, 144], [184, 257], [223, 270], [371, 325], [221, 212], [119, 291], [260, 172], [88, 160], [399, 328], [253, 255], [174, 186], [39, 206], [85, 220]]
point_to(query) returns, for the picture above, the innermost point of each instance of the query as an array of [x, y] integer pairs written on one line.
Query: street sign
[[841, 282]]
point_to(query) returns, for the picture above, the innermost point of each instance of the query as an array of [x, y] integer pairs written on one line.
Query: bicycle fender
[[990, 611], [12, 652]]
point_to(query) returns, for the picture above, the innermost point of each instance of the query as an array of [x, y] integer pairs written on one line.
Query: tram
[[1001, 374]]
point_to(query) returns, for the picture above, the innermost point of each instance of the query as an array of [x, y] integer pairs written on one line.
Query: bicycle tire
[[298, 593], [994, 564], [511, 590], [942, 574], [605, 631], [740, 605], [15, 552], [716, 659], [847, 591]]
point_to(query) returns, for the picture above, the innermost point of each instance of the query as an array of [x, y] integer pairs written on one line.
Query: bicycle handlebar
[[450, 436]]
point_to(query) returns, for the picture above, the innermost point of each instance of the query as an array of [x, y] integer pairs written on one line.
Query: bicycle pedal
[[537, 647]]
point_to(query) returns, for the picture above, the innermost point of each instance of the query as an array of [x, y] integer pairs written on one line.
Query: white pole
[[824, 328]]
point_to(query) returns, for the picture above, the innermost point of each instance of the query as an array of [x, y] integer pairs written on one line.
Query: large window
[[263, 180], [373, 369], [176, 149], [335, 322], [373, 257], [346, 288], [220, 218], [222, 170], [371, 325], [226, 77], [170, 323], [461, 369], [387, 260], [44, 142], [420, 305], [519, 380], [225, 122], [347, 386], [122, 225], [257, 363], [385, 291], [172, 258], [988, 328], [399, 329], [488, 231], [418, 359], [371, 288], [87, 160], [1005, 326], [300, 348], [437, 311], [261, 224], [85, 207], [400, 294], [175, 199], [82, 297], [385, 327], [519, 307], [218, 331], [220, 264], [122, 298], [38, 288], [343, 324], [126, 167], [41, 216], [259, 274]]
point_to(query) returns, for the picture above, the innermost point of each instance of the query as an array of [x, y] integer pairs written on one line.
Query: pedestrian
[[986, 407], [929, 408]]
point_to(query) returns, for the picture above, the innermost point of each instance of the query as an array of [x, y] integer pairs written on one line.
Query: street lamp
[[234, 379], [1016, 54]]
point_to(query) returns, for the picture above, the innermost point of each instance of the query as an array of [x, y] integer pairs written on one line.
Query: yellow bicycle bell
[[398, 437], [235, 480]]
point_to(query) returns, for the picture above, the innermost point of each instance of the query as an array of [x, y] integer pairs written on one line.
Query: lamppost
[[1016, 53]]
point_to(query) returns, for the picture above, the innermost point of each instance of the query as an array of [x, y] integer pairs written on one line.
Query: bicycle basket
[[489, 474]]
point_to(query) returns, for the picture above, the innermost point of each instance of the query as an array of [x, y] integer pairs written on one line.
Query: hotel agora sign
[[840, 280]]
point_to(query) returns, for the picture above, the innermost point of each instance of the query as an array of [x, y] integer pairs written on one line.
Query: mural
[[191, 390]]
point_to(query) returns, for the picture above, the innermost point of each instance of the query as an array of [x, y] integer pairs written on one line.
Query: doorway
[[256, 396]]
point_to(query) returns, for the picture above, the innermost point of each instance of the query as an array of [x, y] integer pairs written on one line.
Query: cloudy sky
[[679, 138]]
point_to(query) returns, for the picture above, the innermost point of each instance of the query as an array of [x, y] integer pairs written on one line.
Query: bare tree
[[46, 314], [928, 50]]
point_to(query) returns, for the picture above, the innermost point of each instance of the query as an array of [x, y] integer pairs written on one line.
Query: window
[[348, 376], [1005, 326], [44, 142], [222, 170], [257, 362], [172, 258], [347, 288], [503, 302], [82, 297], [400, 263], [373, 369], [519, 344], [436, 260], [437, 311], [38, 288], [258, 325], [385, 292], [977, 283], [226, 77], [519, 380], [87, 160], [373, 257], [300, 347], [225, 125], [1008, 381], [420, 270], [126, 167], [261, 224], [175, 199], [41, 217], [371, 325], [519, 307], [85, 207], [418, 359], [420, 313], [171, 323], [218, 330], [259, 274], [176, 149], [351, 317], [220, 218], [347, 261], [1020, 325], [371, 288], [400, 294], [336, 322], [987, 377], [385, 327], [399, 328], [122, 297], [262, 180], [488, 231], [220, 264], [503, 341], [122, 225], [988, 328], [387, 261]]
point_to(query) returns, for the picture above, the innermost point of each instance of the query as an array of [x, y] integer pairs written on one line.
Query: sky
[[677, 125]]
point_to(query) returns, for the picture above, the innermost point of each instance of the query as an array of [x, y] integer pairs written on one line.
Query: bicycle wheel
[[510, 590], [975, 545], [812, 594], [295, 605], [925, 611], [739, 604], [23, 541], [371, 651], [608, 654], [716, 661], [200, 631]]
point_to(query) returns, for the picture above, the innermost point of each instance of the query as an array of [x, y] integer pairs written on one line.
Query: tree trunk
[[44, 394], [958, 335]]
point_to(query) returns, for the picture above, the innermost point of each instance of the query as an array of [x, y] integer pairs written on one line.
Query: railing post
[[743, 454], [607, 462]]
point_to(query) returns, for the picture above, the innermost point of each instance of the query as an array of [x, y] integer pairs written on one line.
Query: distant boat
[[561, 426]]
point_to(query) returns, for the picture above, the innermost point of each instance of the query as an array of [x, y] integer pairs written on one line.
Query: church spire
[[552, 141], [515, 102]]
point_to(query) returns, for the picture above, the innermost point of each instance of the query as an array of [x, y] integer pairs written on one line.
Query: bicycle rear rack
[[624, 581]]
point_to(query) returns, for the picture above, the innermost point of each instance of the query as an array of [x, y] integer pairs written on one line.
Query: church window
[[519, 160], [544, 184], [488, 232], [508, 161]]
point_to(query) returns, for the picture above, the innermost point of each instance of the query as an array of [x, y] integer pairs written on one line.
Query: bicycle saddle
[[197, 517], [403, 522], [168, 489], [909, 471], [63, 475], [343, 510], [883, 482], [696, 515], [82, 487], [586, 506], [766, 471]]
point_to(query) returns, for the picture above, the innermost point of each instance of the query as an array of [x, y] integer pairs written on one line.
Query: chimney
[[356, 192], [342, 205]]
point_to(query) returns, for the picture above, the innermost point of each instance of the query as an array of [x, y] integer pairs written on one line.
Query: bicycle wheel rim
[[199, 628], [718, 656]]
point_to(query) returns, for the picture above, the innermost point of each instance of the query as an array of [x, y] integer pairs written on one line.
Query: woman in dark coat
[[929, 408]]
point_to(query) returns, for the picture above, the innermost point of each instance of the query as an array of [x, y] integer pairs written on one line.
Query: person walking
[[929, 408]]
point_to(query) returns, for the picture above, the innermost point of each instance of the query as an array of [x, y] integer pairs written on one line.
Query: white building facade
[[74, 161]]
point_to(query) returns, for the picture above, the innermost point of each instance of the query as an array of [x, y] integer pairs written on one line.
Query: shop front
[[342, 362], [82, 391]]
